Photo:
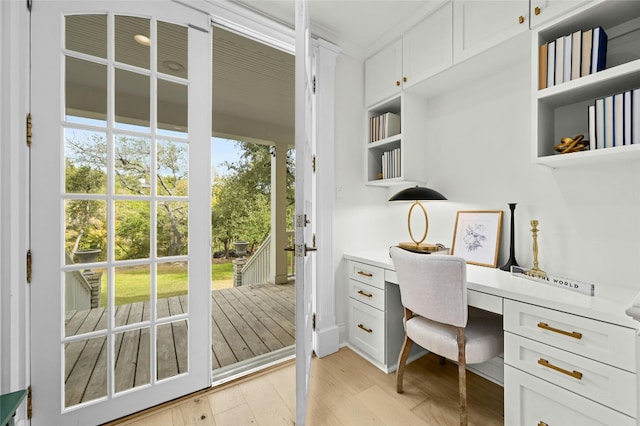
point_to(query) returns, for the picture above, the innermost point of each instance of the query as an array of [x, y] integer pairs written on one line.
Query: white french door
[[120, 178], [304, 221]]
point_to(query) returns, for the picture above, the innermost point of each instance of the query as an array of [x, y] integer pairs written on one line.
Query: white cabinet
[[481, 24], [375, 317], [553, 357], [423, 51], [542, 11], [562, 110]]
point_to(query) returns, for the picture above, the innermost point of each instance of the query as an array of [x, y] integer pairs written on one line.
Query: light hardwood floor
[[344, 390]]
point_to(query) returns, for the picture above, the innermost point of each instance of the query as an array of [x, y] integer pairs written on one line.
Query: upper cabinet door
[[427, 47], [543, 10], [481, 24], [383, 74]]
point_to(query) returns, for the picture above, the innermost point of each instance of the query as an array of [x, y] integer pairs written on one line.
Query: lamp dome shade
[[417, 193]]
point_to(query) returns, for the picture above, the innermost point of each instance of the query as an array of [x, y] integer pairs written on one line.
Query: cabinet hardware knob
[[362, 327], [365, 274], [404, 79], [362, 293], [541, 423], [536, 10], [397, 82], [521, 19], [575, 374], [574, 334]]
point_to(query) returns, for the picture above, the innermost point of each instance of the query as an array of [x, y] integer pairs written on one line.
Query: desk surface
[[609, 303]]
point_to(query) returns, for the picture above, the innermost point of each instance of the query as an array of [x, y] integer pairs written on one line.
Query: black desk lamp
[[417, 194]]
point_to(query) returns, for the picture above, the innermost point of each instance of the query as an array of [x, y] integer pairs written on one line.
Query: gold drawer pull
[[573, 334], [521, 19], [536, 11], [575, 374], [541, 423], [362, 327], [365, 274], [362, 293]]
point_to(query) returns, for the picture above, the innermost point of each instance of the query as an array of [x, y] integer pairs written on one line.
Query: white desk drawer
[[366, 274], [533, 401], [608, 385], [601, 341], [366, 329], [485, 301], [365, 293]]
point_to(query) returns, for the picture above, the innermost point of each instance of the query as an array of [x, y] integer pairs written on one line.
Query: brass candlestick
[[535, 271]]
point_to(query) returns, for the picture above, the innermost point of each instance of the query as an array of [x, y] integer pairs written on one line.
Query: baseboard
[[327, 341]]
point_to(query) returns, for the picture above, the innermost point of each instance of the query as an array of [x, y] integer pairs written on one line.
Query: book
[[567, 58], [592, 126], [599, 123], [587, 40], [542, 67], [608, 122], [618, 119], [576, 54], [559, 60], [627, 117], [383, 126], [551, 61], [551, 64], [635, 116], [599, 50]]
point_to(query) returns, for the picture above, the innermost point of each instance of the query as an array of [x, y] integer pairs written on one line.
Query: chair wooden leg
[[402, 361], [462, 377]]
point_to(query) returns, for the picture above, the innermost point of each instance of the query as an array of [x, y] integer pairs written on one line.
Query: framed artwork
[[476, 237]]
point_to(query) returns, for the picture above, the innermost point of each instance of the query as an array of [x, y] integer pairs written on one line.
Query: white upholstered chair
[[433, 289]]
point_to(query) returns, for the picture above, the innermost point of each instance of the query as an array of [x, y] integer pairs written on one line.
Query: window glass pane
[[85, 161], [173, 168], [132, 100], [85, 370], [83, 311], [132, 359], [173, 49], [132, 41], [85, 230], [86, 34], [132, 165], [132, 230], [85, 91], [172, 106], [173, 288], [133, 294], [172, 349], [173, 220]]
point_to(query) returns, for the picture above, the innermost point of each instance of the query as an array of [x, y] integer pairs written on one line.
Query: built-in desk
[[569, 358]]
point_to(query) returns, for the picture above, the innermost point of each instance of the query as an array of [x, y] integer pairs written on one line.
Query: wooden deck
[[246, 322]]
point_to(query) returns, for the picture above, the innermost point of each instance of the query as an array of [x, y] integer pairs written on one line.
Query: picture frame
[[476, 236]]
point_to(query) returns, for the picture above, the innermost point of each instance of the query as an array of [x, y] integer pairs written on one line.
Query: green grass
[[132, 284]]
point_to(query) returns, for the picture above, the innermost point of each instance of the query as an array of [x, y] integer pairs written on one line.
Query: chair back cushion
[[433, 286]]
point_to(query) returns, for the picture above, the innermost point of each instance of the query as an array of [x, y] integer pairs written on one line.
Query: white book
[[599, 123], [559, 60], [618, 119], [627, 118], [608, 122], [567, 58], [592, 127], [635, 116], [551, 64], [576, 54]]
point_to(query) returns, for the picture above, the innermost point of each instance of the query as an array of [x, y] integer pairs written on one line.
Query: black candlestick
[[512, 255]]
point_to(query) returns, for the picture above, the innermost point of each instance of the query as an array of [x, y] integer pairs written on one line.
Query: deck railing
[[258, 267], [77, 292]]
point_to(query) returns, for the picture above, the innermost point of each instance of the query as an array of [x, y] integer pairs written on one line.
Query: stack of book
[[572, 56], [383, 126], [391, 164], [615, 120]]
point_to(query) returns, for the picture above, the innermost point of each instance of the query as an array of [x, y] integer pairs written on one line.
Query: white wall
[[479, 157]]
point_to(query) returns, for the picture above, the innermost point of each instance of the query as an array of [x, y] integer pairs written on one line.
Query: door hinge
[[301, 221], [29, 403], [313, 85], [29, 266], [29, 5], [313, 163], [313, 322], [29, 129]]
